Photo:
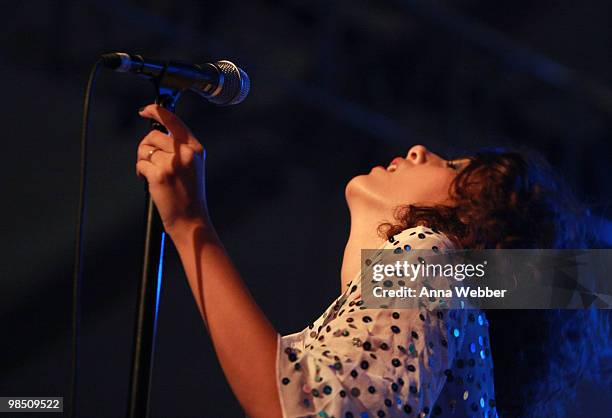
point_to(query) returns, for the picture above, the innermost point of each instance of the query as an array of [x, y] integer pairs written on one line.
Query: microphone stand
[[147, 309]]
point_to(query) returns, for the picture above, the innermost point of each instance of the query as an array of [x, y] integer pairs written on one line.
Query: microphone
[[222, 83]]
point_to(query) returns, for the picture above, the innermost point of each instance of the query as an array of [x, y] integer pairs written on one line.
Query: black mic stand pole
[[150, 285]]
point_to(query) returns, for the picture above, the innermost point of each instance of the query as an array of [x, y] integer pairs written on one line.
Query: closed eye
[[457, 164]]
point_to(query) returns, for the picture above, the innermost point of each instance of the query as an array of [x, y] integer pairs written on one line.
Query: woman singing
[[355, 361]]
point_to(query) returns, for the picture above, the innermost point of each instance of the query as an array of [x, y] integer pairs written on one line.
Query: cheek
[[426, 186]]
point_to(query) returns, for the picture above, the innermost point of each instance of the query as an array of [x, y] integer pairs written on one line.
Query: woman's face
[[421, 177]]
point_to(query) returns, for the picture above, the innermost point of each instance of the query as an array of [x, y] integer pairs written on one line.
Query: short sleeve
[[356, 361]]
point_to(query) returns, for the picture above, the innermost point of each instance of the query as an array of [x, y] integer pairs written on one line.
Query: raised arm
[[243, 338]]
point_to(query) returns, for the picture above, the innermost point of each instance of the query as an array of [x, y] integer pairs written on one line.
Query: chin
[[351, 188], [356, 189]]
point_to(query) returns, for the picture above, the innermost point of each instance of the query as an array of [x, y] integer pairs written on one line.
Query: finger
[[147, 170], [187, 155], [173, 123], [147, 152], [187, 149], [160, 140], [195, 145]]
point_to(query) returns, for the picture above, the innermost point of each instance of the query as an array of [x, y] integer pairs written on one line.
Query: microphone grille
[[236, 84]]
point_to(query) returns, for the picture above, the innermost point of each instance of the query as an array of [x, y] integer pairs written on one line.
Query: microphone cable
[[77, 278]]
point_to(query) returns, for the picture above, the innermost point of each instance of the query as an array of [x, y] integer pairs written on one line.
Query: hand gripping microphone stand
[[222, 83], [147, 307]]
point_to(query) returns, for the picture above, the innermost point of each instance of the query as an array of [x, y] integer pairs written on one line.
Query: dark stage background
[[337, 87]]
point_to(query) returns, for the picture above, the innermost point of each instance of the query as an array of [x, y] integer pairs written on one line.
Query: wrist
[[183, 231]]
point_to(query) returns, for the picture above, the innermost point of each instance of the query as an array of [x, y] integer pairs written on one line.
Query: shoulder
[[420, 238]]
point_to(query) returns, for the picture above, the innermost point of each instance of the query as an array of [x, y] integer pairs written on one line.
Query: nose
[[418, 154]]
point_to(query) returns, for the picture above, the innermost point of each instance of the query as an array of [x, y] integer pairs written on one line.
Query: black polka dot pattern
[[392, 362]]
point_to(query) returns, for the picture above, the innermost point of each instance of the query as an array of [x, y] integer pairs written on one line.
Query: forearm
[[243, 338]]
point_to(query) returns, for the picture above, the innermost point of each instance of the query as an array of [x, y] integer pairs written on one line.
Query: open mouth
[[393, 164]]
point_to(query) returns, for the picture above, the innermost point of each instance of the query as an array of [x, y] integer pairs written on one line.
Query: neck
[[363, 235]]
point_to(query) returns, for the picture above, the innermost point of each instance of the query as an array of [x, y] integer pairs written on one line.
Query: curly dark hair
[[512, 199]]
